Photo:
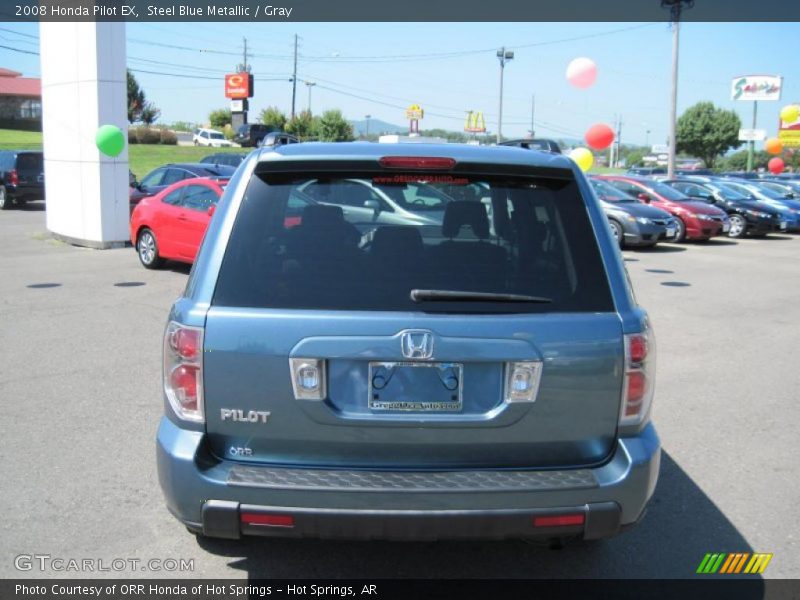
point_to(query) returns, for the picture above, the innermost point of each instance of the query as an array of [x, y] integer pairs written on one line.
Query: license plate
[[726, 227], [671, 231], [415, 387], [783, 224]]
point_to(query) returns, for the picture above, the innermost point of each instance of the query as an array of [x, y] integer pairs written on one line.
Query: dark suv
[[21, 177], [250, 134], [329, 374]]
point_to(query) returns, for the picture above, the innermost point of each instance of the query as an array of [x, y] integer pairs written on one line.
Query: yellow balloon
[[583, 157], [790, 114]]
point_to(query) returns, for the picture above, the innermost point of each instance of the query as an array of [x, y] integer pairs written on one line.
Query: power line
[[19, 50]]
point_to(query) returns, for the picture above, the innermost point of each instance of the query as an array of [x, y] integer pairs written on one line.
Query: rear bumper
[[221, 497]]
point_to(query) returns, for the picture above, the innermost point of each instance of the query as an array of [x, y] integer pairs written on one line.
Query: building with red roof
[[20, 99]]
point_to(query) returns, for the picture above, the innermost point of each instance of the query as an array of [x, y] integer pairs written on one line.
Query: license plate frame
[[671, 232], [726, 227], [432, 406]]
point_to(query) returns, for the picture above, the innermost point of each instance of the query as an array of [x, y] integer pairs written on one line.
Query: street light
[[309, 84], [367, 117], [675, 7], [503, 56]]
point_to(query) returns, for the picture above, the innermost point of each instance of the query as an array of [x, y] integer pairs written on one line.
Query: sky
[[451, 68]]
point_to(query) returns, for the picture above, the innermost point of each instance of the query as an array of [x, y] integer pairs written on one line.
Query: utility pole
[[244, 56], [310, 84], [751, 145], [675, 7], [294, 76], [619, 138], [504, 56], [533, 112], [367, 117], [611, 147]]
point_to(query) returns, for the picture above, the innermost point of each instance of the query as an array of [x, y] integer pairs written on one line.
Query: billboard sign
[[789, 134], [414, 112], [756, 87], [752, 135], [475, 123], [238, 86]]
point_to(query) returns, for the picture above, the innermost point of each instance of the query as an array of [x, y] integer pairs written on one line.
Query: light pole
[[367, 117], [504, 56], [675, 7], [309, 84]]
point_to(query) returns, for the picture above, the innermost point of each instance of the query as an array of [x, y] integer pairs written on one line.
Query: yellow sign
[[414, 112], [475, 122], [790, 138]]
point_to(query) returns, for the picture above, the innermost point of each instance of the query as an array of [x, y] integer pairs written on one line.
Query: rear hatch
[[30, 170], [480, 341]]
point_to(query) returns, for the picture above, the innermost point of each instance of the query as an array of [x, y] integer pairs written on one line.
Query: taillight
[[640, 366], [13, 177], [183, 370], [417, 162]]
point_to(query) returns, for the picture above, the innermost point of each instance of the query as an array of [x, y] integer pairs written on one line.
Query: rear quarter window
[[290, 249]]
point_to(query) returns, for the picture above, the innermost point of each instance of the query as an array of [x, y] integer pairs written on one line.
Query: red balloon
[[599, 137], [776, 165]]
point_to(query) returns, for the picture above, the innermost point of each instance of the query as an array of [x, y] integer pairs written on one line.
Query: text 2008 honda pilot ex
[[482, 371]]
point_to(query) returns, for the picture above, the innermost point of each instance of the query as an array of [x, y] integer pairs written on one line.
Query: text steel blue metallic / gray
[[474, 367]]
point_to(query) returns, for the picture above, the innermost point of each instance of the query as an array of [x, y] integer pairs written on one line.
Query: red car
[[696, 220], [171, 224]]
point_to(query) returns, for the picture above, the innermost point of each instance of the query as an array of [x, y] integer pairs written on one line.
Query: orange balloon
[[773, 146]]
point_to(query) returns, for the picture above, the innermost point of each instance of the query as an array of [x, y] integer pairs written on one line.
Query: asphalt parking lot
[[80, 349]]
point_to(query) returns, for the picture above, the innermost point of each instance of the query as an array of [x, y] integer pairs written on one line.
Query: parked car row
[[704, 206]]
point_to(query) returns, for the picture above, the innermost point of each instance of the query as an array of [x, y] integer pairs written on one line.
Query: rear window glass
[[30, 162], [299, 243]]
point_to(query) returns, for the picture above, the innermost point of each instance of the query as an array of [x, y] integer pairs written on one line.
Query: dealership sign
[[238, 85], [789, 134], [756, 87], [752, 135]]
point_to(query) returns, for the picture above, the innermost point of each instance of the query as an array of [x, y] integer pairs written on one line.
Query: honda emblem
[[417, 344]]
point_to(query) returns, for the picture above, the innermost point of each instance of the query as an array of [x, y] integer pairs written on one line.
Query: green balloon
[[110, 140]]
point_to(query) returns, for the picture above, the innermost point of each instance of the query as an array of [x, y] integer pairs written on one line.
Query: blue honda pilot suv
[[484, 372]]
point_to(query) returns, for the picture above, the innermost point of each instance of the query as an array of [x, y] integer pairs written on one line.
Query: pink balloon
[[599, 137], [582, 73], [776, 165]]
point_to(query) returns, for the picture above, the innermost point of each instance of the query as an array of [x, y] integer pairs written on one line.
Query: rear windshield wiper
[[458, 296]]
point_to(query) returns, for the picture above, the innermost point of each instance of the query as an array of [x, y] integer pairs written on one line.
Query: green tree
[[333, 127], [272, 117], [136, 99], [303, 125], [634, 158], [738, 161], [149, 113], [706, 132], [220, 117]]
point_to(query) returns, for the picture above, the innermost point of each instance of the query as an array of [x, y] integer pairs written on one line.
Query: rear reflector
[[268, 520], [417, 162], [559, 521]]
